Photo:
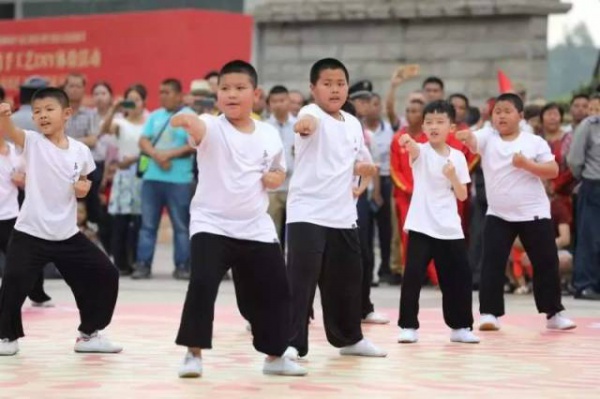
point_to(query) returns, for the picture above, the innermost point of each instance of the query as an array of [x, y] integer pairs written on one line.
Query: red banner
[[123, 49]]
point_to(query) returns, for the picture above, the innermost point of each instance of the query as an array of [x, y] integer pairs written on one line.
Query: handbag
[[144, 161]]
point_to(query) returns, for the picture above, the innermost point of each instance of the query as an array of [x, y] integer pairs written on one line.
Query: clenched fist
[[449, 170], [5, 110], [82, 188], [519, 160], [183, 121], [305, 126], [463, 135], [404, 140]]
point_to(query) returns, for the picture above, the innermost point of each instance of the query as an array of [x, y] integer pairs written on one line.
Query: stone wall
[[465, 51]]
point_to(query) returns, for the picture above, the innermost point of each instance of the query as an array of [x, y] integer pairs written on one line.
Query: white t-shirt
[[513, 194], [230, 198], [321, 187], [9, 203], [433, 210], [49, 211], [128, 138]]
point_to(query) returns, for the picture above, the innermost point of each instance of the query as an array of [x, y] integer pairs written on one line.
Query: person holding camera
[[125, 121]]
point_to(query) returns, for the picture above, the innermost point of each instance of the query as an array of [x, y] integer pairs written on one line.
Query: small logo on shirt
[[265, 161], [75, 176]]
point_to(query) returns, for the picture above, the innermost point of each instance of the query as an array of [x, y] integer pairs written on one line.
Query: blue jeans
[[176, 197], [587, 252]]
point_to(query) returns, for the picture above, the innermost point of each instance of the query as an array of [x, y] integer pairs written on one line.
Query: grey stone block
[[360, 51], [281, 52], [377, 32], [538, 27], [497, 50], [424, 31], [379, 69], [392, 52], [314, 52]]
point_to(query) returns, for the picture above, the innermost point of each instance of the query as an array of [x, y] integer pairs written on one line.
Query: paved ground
[[523, 360]]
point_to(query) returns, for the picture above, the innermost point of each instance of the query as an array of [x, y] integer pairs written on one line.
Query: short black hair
[[462, 97], [440, 107], [76, 75], [105, 84], [239, 66], [327, 63], [532, 111], [578, 96], [515, 99], [551, 106], [139, 89], [211, 74], [2, 93], [433, 79], [174, 83], [278, 89], [52, 92]]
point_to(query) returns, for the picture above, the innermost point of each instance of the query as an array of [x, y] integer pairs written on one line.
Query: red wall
[[123, 49]]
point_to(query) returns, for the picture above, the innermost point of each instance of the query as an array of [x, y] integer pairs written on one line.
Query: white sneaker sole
[[489, 327], [286, 373], [459, 341], [98, 351], [190, 374], [377, 322], [407, 341], [567, 328]]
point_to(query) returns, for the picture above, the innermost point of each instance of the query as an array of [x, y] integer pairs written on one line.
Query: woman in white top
[[125, 199]]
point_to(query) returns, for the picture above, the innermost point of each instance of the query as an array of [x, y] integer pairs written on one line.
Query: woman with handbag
[[125, 199]]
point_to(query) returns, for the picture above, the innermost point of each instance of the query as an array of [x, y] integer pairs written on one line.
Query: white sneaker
[[9, 348], [375, 318], [560, 322], [488, 322], [46, 304], [464, 335], [291, 353], [408, 336], [283, 366], [191, 367], [363, 348], [95, 343]]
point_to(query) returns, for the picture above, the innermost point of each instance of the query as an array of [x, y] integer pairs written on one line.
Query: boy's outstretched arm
[[469, 138], [8, 128], [193, 125]]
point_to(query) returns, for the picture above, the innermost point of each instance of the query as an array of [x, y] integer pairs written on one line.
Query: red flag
[[504, 84]]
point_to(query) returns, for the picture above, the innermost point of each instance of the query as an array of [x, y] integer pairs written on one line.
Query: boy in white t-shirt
[[12, 179], [323, 243], [46, 229], [434, 227], [239, 159], [514, 163]]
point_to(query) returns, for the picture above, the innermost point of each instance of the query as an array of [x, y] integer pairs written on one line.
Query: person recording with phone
[[125, 121]]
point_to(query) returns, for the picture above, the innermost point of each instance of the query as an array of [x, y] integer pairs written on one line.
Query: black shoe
[[141, 273], [181, 274], [589, 294]]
